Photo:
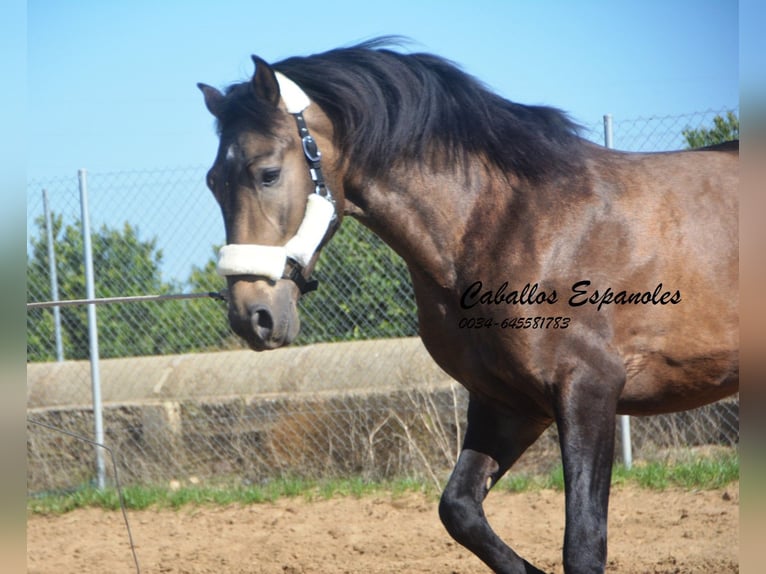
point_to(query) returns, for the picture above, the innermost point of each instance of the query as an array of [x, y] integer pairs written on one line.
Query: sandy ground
[[675, 531]]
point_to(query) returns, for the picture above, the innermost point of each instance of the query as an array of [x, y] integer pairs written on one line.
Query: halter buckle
[[310, 149]]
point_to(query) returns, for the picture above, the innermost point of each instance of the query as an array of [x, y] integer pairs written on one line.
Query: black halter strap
[[293, 269], [313, 157]]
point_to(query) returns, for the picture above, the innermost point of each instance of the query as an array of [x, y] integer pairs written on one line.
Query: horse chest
[[484, 362]]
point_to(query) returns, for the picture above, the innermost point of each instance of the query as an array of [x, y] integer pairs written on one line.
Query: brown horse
[[555, 279]]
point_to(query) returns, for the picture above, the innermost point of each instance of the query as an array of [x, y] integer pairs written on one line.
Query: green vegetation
[[723, 130], [139, 497], [695, 473], [125, 264], [702, 473], [377, 299]]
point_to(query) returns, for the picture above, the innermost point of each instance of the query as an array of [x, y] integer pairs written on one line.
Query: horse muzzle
[[264, 313]]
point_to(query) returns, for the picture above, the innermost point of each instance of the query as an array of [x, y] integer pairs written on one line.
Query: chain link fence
[[384, 411]]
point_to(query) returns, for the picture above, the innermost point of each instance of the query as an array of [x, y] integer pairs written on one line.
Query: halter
[[289, 261]]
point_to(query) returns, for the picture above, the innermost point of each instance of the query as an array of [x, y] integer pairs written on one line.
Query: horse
[[557, 280]]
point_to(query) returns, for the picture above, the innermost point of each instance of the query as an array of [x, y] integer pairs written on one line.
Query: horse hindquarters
[[493, 442]]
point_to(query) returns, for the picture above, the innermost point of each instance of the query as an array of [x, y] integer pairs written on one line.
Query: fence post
[[627, 447], [54, 278], [608, 130], [90, 293]]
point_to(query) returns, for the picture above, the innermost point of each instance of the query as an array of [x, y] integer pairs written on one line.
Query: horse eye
[[270, 176]]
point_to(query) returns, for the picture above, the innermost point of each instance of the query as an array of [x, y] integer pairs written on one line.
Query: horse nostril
[[262, 322]]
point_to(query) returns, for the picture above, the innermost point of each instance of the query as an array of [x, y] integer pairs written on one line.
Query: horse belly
[[656, 383]]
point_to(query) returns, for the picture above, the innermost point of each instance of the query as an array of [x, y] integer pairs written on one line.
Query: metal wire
[[117, 485], [219, 295]]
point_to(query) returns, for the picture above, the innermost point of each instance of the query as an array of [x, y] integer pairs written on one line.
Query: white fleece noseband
[[270, 260]]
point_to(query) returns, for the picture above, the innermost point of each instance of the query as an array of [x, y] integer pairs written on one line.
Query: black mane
[[387, 106]]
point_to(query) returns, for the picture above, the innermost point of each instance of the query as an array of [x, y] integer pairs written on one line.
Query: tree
[[365, 292], [723, 130], [124, 265], [206, 323], [376, 300]]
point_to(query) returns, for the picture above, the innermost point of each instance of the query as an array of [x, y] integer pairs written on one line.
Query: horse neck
[[423, 215]]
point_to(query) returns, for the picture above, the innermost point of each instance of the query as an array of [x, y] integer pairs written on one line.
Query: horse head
[[277, 208]]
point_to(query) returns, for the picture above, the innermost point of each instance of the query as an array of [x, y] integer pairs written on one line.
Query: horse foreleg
[[586, 424], [493, 442]]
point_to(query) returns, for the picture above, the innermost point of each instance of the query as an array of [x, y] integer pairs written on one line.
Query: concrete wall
[[375, 408], [235, 413], [379, 365]]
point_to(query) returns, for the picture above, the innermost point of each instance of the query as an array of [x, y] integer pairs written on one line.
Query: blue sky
[[111, 84]]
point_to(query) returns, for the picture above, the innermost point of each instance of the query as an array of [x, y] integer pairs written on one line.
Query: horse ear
[[213, 99], [264, 82]]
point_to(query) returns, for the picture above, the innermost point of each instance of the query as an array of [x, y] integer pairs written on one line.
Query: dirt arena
[[671, 532]]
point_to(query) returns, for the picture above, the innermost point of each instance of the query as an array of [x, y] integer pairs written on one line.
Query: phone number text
[[514, 323]]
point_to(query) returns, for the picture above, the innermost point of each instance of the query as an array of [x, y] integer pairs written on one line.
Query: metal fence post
[[627, 447], [90, 293], [608, 130], [54, 278]]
